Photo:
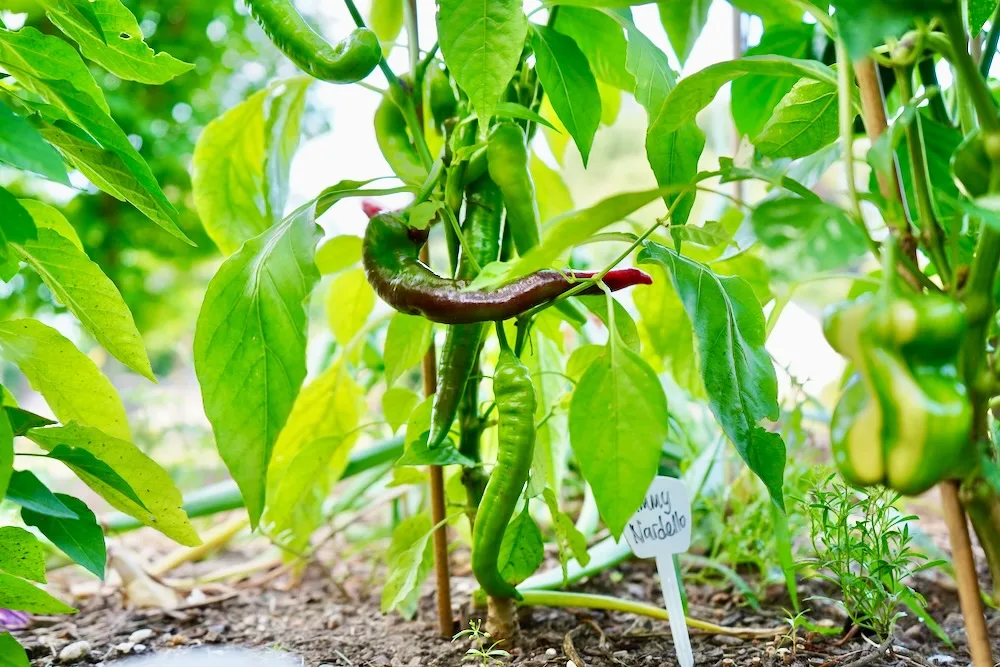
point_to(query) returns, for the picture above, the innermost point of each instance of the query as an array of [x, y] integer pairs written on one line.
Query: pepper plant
[[490, 247], [53, 118]]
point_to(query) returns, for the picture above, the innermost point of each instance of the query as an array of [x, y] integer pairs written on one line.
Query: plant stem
[[968, 73], [846, 120], [990, 47], [930, 228], [589, 601], [982, 503], [928, 76]]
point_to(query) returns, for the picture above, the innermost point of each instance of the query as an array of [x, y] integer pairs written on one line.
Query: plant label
[[660, 528]]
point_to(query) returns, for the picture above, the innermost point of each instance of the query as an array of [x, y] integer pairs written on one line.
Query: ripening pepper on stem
[[904, 419]]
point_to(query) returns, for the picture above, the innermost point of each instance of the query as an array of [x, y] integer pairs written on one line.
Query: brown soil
[[332, 618]]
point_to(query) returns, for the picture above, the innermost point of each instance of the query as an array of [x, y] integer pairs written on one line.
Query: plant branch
[[928, 76], [990, 47], [968, 73]]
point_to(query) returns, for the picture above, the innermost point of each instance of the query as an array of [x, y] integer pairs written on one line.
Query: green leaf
[[121, 49], [624, 324], [84, 14], [979, 12], [804, 121], [581, 358], [81, 460], [755, 171], [409, 561], [864, 24], [971, 166], [515, 110], [617, 426], [22, 146], [21, 554], [161, 501], [738, 373], [81, 286], [52, 69], [667, 331], [693, 93], [397, 404], [418, 454], [806, 236], [82, 539], [70, 382], [16, 225], [553, 196], [673, 154], [549, 460], [11, 653], [570, 85], [21, 421], [20, 595], [482, 43], [601, 39], [48, 217], [683, 20], [754, 96], [109, 172], [30, 493], [6, 453], [250, 347], [239, 172], [338, 253], [406, 342], [349, 302], [386, 19], [770, 11], [310, 455], [883, 150], [521, 550], [571, 542]]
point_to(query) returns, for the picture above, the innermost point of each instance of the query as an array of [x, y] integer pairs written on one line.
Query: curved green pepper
[[905, 419], [350, 60], [484, 206], [507, 157], [394, 141], [390, 258], [441, 96], [515, 400]]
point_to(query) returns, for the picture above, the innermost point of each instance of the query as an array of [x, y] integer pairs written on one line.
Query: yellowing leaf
[[338, 253], [348, 304]]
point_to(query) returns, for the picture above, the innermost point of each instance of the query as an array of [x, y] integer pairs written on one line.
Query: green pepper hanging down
[[905, 418], [515, 399], [481, 229], [351, 59], [390, 258], [507, 155], [394, 141]]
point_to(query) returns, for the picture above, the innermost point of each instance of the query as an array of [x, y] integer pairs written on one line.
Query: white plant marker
[[659, 529]]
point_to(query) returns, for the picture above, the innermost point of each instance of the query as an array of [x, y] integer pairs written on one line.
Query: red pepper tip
[[371, 207]]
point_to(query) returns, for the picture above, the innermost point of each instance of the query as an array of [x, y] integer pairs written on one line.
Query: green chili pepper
[[394, 141], [905, 418], [351, 59], [390, 257], [441, 97], [515, 400], [484, 213], [507, 156]]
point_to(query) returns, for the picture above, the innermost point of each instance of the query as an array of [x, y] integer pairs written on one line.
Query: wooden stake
[[965, 576]]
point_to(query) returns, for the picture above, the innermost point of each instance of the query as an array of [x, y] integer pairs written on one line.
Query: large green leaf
[[70, 382], [754, 96], [50, 68], [6, 452], [121, 51], [979, 12], [21, 554], [161, 501], [772, 11], [481, 43], [49, 217], [310, 455], [81, 286], [26, 490], [617, 426], [16, 225], [804, 121], [806, 237], [693, 93], [21, 146], [82, 539], [673, 154], [250, 346], [81, 460], [409, 561], [11, 653], [406, 341], [683, 20], [864, 24], [667, 330], [521, 550], [240, 164], [549, 463], [738, 373], [565, 75], [20, 595], [349, 302], [601, 39]]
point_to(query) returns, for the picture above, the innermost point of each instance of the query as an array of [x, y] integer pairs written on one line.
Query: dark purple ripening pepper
[[391, 262]]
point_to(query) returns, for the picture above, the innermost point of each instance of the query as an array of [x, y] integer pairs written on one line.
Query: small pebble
[[940, 659], [728, 662], [726, 640], [755, 660], [74, 652], [139, 648], [124, 647], [140, 636], [550, 652], [570, 663]]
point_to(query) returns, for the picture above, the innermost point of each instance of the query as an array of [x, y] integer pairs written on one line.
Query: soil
[[331, 618]]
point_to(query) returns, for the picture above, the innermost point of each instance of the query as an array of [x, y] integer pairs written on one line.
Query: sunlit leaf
[[21, 146], [11, 653], [20, 595], [601, 39], [81, 460], [683, 21], [338, 253], [349, 302], [21, 554], [397, 404], [406, 341], [409, 561], [803, 122], [26, 490]]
